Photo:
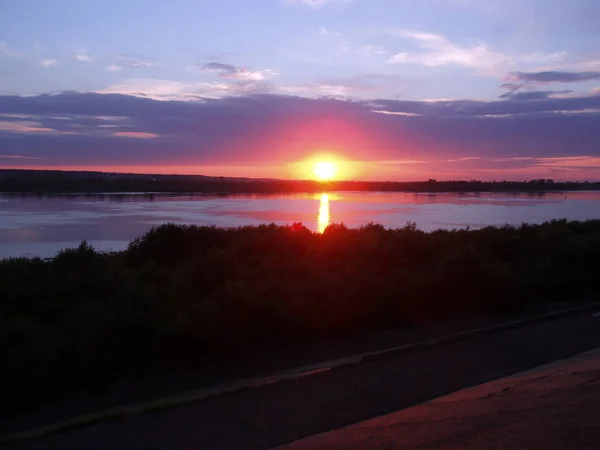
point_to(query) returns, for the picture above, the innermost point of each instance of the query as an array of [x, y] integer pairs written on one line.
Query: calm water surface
[[33, 225]]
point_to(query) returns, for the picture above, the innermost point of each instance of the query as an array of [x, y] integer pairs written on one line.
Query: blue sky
[[530, 56]]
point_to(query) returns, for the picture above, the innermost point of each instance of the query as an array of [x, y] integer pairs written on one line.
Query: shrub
[[82, 319]]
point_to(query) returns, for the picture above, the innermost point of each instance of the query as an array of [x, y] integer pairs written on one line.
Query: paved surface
[[551, 407], [252, 364], [281, 413]]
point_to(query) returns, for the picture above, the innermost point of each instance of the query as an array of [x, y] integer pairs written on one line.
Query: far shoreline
[[42, 182]]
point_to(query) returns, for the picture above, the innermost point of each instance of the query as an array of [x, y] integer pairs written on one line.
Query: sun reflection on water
[[323, 217]]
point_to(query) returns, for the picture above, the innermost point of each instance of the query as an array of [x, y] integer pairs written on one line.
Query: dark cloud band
[[78, 128]]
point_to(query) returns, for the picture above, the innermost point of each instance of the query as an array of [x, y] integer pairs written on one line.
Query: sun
[[324, 167], [325, 170]]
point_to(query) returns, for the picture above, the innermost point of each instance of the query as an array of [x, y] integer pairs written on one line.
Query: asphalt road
[[552, 407], [280, 413]]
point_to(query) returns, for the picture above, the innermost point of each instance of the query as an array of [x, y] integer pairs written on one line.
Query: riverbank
[[57, 181], [195, 295]]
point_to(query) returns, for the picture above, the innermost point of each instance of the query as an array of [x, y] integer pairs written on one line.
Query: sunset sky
[[399, 89]]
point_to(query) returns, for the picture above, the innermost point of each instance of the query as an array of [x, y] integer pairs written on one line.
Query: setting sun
[[325, 167], [325, 170]]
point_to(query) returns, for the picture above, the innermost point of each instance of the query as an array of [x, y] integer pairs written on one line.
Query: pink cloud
[[135, 134], [26, 127], [20, 157]]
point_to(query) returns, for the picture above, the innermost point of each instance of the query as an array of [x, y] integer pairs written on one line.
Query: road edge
[[255, 382]]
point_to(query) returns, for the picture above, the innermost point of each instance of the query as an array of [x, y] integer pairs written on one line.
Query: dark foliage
[[82, 319]]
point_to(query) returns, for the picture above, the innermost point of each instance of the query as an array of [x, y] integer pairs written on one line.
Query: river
[[41, 225]]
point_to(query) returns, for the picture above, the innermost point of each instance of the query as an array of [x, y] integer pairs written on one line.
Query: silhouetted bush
[[83, 318]]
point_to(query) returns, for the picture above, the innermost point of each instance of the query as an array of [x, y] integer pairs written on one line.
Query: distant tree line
[[44, 181]]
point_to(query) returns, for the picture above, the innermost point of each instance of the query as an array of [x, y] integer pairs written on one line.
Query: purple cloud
[[110, 129], [518, 80], [534, 95], [553, 77]]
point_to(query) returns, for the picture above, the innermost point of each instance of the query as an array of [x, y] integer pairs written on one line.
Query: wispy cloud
[[27, 127], [132, 62], [49, 62], [135, 134], [366, 86], [316, 4], [63, 117], [582, 162], [237, 73], [398, 162], [437, 50], [6, 50], [21, 157], [28, 57], [366, 83], [464, 158], [544, 58], [83, 55], [23, 126], [361, 85], [395, 113], [179, 91], [327, 32], [515, 158], [561, 112], [316, 89], [165, 89], [372, 50]]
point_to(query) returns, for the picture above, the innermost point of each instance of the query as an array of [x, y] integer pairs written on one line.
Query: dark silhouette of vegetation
[[83, 319], [49, 181]]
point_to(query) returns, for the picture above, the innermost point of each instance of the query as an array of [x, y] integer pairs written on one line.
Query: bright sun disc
[[325, 170]]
